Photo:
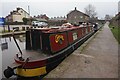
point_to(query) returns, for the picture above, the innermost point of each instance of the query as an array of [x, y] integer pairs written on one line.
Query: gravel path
[[99, 59]]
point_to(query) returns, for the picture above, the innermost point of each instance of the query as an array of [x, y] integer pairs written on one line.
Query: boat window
[[74, 36]]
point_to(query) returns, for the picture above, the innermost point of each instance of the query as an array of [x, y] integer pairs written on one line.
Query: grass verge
[[116, 32]]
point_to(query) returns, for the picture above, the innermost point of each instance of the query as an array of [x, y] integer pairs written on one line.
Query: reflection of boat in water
[[4, 45], [46, 48], [21, 38]]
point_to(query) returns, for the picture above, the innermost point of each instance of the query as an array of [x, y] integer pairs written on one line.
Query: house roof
[[75, 10], [16, 12], [23, 10]]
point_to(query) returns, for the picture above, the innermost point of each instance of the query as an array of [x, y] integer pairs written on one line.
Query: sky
[[54, 8]]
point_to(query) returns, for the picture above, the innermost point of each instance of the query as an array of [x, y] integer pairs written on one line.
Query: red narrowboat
[[46, 48]]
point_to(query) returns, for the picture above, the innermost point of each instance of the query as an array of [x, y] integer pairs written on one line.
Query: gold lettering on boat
[[59, 38]]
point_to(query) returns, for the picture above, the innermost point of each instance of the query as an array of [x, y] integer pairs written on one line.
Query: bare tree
[[90, 10]]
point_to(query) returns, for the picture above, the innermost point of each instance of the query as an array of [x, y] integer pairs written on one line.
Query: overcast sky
[[54, 8]]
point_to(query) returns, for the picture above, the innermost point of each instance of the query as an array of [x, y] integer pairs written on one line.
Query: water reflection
[[4, 41], [4, 45], [21, 38], [9, 49], [9, 52]]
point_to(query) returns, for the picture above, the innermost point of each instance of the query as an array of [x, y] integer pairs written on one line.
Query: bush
[[25, 20]]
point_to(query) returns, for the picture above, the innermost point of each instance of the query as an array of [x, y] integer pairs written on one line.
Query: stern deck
[[34, 55]]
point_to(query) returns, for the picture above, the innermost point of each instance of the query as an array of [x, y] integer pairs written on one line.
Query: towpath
[[99, 59]]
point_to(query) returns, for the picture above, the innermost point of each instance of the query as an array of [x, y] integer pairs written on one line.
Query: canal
[[9, 49]]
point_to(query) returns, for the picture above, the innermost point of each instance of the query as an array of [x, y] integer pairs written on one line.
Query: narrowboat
[[46, 48]]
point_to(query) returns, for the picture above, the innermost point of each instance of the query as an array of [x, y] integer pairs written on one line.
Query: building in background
[[58, 18], [41, 18], [17, 15], [57, 21], [76, 17]]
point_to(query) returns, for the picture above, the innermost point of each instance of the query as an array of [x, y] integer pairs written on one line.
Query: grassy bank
[[116, 32], [6, 31]]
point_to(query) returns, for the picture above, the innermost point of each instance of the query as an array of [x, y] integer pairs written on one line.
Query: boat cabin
[[53, 40]]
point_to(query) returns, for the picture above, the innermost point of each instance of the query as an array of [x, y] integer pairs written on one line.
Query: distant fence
[[17, 27], [14, 23]]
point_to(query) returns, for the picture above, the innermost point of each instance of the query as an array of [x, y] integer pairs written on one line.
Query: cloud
[[59, 0], [58, 8]]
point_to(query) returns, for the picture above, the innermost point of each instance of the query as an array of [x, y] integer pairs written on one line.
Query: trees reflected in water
[[4, 41]]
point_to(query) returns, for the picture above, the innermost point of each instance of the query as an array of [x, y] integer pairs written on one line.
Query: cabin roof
[[56, 29]]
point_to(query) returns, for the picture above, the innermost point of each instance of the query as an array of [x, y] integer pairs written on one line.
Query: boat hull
[[51, 62]]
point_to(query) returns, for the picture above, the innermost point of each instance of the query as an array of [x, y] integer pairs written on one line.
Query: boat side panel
[[58, 41], [88, 28], [70, 38], [83, 31], [74, 35], [79, 33]]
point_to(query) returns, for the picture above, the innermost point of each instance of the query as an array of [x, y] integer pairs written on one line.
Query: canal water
[[9, 49]]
